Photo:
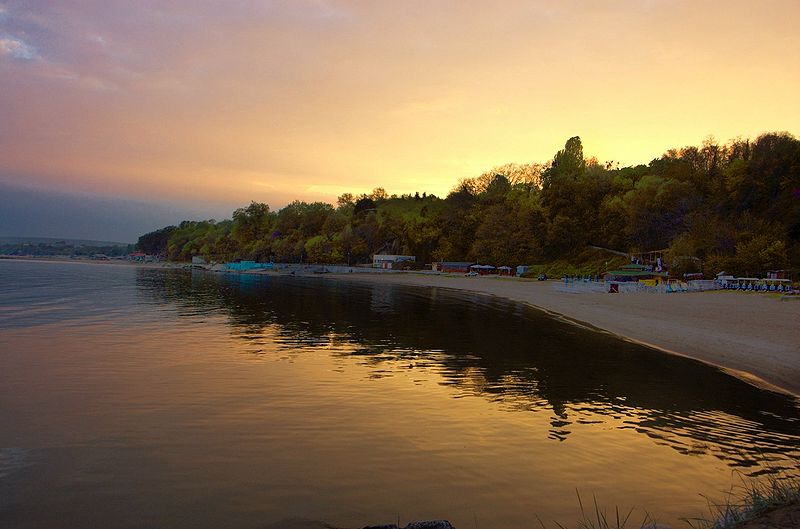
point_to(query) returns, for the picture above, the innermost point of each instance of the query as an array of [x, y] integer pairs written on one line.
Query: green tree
[[251, 223]]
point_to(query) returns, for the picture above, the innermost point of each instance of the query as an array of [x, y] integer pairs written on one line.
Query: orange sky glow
[[276, 100]]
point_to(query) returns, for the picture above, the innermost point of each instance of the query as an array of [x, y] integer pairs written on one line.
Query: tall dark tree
[[155, 242]]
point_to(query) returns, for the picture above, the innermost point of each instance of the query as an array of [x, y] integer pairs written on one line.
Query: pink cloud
[[17, 49]]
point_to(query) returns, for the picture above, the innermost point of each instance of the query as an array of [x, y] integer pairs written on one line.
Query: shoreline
[[710, 327], [752, 336]]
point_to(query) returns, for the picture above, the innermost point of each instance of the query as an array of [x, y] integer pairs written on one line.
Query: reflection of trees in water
[[506, 352]]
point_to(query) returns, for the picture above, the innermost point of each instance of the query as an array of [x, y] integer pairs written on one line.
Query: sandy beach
[[753, 336]]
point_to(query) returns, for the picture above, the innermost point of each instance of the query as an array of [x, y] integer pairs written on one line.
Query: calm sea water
[[134, 398]]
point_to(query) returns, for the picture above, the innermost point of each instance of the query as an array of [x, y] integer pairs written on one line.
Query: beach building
[[747, 283], [724, 279], [777, 274], [453, 267], [483, 270], [654, 258], [387, 261], [505, 271]]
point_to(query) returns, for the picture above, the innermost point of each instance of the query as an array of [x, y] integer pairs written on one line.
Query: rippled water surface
[[135, 398]]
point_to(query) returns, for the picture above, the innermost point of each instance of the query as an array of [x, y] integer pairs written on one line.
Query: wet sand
[[754, 336]]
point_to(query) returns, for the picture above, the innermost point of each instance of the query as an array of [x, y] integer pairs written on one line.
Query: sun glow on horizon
[[307, 100]]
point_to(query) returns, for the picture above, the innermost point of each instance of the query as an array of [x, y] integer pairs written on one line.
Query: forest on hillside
[[733, 207]]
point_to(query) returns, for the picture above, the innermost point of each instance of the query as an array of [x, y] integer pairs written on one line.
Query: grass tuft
[[598, 519], [747, 500]]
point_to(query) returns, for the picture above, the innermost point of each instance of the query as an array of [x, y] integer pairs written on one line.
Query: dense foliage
[[734, 207], [155, 242]]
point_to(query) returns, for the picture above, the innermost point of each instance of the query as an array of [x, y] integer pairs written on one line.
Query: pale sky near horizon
[[226, 102]]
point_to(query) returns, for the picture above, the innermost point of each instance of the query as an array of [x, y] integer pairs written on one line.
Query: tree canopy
[[732, 206]]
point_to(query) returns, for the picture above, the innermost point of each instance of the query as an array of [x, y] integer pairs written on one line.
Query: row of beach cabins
[[774, 282], [634, 277], [645, 278], [399, 262], [477, 269]]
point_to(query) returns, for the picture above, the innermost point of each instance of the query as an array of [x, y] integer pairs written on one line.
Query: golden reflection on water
[[203, 420], [318, 435]]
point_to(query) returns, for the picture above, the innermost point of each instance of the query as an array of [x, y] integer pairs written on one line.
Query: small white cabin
[[723, 278]]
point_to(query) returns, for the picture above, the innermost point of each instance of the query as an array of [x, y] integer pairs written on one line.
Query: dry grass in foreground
[[599, 519], [770, 503]]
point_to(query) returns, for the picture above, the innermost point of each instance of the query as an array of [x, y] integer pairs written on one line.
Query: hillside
[[733, 207]]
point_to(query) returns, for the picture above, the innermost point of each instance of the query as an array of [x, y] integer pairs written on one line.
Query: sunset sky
[[200, 104]]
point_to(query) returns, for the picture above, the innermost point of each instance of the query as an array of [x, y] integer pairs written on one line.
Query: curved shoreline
[[753, 337]]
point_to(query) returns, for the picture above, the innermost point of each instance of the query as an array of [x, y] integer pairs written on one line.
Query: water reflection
[[505, 352]]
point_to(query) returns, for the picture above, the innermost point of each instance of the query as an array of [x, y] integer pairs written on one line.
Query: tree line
[[733, 207], [63, 248]]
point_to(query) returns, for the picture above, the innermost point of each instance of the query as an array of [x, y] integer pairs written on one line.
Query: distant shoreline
[[753, 336], [106, 262]]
